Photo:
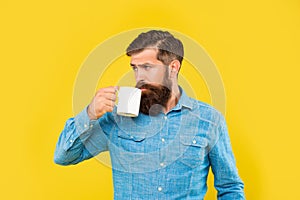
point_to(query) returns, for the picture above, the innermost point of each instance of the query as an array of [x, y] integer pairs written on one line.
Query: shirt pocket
[[193, 150], [131, 142], [128, 153]]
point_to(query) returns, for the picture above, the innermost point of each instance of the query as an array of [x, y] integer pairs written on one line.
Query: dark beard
[[154, 98]]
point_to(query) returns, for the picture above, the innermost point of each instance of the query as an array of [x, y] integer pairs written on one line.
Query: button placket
[[159, 188], [163, 132]]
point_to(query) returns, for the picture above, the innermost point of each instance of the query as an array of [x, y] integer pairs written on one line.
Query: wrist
[[90, 113]]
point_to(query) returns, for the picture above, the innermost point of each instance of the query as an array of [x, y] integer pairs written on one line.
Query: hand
[[103, 101]]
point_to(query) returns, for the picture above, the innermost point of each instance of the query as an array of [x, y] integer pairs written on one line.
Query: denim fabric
[[167, 156]]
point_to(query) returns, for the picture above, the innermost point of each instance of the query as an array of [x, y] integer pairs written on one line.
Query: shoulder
[[206, 111]]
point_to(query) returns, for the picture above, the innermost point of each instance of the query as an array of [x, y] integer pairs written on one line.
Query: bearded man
[[167, 150]]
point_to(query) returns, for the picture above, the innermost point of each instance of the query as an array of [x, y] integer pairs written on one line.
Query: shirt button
[[159, 189], [71, 140], [85, 125], [162, 164], [194, 141], [163, 139], [91, 125], [165, 117]]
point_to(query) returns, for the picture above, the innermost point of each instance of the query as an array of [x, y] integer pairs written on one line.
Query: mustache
[[149, 86]]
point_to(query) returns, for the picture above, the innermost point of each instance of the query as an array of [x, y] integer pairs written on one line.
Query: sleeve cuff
[[83, 123]]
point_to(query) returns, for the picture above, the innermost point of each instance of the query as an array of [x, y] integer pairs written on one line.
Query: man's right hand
[[103, 101]]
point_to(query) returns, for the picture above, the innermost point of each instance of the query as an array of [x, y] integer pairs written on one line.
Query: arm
[[226, 179], [81, 139], [86, 135]]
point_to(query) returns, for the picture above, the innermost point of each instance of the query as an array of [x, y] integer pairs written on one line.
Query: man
[[165, 152]]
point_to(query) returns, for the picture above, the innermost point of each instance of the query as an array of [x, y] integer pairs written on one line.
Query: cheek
[[157, 77]]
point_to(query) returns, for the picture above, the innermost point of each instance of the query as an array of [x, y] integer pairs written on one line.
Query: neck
[[175, 96]]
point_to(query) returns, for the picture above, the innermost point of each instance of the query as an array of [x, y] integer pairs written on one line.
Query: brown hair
[[169, 48]]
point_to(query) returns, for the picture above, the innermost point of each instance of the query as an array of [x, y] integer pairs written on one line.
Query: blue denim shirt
[[167, 156]]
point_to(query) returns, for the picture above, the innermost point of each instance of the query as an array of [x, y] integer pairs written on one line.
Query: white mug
[[129, 99]]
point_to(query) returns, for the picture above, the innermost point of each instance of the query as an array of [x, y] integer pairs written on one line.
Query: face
[[152, 78], [147, 68]]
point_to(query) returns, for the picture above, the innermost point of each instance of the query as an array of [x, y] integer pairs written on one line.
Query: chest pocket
[[131, 142], [129, 153], [193, 150]]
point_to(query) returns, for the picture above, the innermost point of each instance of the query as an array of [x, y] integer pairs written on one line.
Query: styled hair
[[169, 48]]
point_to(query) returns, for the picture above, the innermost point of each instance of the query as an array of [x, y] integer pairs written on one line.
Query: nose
[[140, 76]]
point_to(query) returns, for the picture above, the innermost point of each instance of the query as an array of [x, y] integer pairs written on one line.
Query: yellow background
[[255, 45]]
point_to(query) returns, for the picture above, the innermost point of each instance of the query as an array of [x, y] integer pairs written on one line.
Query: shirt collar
[[184, 101]]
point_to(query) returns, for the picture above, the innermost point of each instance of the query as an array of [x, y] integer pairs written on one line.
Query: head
[[168, 47], [156, 58]]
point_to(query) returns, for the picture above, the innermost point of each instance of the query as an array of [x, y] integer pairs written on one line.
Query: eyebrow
[[134, 65]]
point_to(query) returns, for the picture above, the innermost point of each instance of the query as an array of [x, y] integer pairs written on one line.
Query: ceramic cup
[[129, 99]]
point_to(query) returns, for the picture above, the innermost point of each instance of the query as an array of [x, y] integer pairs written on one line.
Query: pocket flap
[[135, 137], [197, 141]]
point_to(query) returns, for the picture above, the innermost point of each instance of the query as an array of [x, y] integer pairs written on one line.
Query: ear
[[174, 68]]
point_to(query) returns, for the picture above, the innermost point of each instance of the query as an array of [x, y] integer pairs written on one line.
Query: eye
[[134, 68], [146, 67]]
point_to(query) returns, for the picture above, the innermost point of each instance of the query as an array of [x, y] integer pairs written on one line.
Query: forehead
[[145, 56]]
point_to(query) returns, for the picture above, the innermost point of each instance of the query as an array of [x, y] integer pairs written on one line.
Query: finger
[[117, 88], [106, 102], [103, 108], [113, 97], [108, 108], [111, 89], [105, 97], [110, 96]]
